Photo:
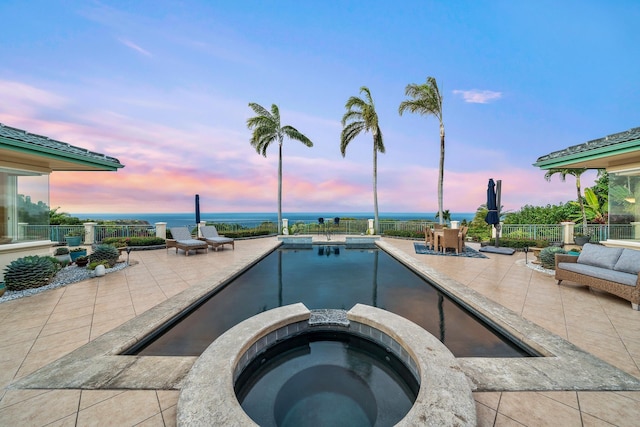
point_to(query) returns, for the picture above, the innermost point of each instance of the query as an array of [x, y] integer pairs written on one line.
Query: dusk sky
[[164, 86]]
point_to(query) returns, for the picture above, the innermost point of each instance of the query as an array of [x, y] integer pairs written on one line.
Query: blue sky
[[164, 87]]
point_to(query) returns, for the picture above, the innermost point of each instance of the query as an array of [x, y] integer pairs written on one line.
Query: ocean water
[[188, 218]]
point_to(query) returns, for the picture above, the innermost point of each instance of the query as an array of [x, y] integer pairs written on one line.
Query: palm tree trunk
[[280, 187], [441, 175], [584, 214], [375, 188]]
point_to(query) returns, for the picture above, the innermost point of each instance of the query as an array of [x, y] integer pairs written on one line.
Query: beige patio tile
[[569, 398], [535, 409], [128, 408], [10, 335], [92, 397], [485, 416], [488, 398], [52, 328], [39, 410], [170, 416], [613, 408], [591, 421], [155, 421], [44, 343], [504, 421], [168, 398]]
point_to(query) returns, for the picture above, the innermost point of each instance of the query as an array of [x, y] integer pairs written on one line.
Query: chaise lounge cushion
[[629, 262], [599, 256]]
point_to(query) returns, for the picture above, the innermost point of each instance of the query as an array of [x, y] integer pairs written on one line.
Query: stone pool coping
[[444, 397], [98, 365]]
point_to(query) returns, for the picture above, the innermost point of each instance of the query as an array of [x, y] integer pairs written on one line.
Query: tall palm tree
[[426, 100], [361, 116], [563, 176], [266, 129]]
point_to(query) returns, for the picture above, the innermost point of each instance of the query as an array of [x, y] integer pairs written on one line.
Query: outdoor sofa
[[182, 239], [614, 270]]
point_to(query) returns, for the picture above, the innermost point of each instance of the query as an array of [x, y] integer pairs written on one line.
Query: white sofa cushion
[[629, 261], [599, 256]]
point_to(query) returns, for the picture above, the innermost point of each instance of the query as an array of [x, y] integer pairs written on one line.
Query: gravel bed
[[66, 276]]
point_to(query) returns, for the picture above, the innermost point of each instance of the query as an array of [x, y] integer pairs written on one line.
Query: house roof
[[21, 148], [610, 152]]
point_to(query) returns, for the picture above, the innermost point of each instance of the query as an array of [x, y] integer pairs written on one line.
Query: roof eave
[[83, 162]]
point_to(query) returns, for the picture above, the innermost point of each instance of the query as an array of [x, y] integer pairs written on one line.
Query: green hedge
[[246, 233], [120, 242], [520, 243], [405, 233]]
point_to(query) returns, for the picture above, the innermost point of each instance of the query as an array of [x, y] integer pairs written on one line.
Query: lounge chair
[[211, 237], [182, 239]]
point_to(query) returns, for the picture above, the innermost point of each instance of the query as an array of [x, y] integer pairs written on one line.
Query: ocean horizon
[[188, 218]]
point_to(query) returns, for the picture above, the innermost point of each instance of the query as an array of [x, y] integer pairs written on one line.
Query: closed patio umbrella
[[493, 205], [197, 209]]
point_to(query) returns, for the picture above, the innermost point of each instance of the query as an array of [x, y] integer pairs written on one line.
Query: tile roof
[[52, 144], [607, 141]]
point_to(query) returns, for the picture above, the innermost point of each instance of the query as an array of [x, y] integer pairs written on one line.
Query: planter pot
[[581, 240], [73, 240], [2, 288], [64, 258], [77, 254], [100, 270], [82, 262]]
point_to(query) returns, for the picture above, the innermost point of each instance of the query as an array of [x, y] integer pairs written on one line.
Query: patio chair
[[182, 239], [211, 236], [429, 238], [463, 236], [451, 240]]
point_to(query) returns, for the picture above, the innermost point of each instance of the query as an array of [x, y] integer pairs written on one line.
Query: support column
[[89, 233], [161, 230], [567, 232]]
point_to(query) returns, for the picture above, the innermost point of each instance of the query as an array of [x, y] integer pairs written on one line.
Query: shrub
[[519, 243], [30, 272], [61, 251], [92, 265], [106, 253], [547, 256], [405, 233], [133, 241]]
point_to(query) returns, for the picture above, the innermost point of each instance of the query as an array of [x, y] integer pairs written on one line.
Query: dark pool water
[[326, 379], [330, 277]]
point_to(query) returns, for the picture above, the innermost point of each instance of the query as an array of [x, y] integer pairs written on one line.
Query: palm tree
[[563, 176], [266, 129], [426, 100], [361, 116]]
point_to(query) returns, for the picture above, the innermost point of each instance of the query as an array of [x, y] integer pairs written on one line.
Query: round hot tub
[[324, 377], [289, 366]]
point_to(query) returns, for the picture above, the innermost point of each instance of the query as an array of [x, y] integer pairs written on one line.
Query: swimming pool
[[328, 277]]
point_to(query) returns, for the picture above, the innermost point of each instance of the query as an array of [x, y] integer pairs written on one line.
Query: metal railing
[[550, 232]]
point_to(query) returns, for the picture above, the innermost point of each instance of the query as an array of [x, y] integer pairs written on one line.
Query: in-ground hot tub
[[393, 350]]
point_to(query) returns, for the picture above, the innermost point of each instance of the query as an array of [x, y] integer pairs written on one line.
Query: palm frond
[[295, 134], [259, 109], [349, 132]]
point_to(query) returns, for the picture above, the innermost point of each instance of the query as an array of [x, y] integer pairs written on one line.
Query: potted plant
[[82, 261], [77, 252], [580, 239], [74, 237], [62, 254]]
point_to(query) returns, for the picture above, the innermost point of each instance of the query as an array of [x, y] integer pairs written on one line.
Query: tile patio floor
[[40, 329]]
